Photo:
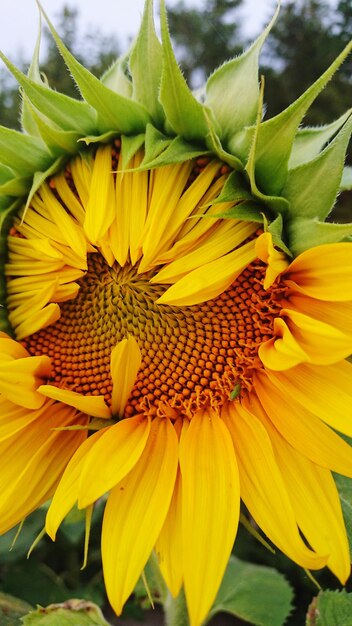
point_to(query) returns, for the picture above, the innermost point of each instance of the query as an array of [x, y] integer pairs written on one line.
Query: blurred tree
[[205, 37], [304, 41]]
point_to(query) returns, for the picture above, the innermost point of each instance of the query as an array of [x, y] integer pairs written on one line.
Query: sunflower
[[175, 317]]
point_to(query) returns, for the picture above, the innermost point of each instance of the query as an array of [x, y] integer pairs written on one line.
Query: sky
[[19, 19]]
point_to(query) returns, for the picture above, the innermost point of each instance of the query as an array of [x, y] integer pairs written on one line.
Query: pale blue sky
[[18, 24]]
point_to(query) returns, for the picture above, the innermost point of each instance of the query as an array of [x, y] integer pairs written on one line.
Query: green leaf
[[22, 153], [276, 136], [57, 140], [310, 141], [311, 188], [333, 608], [17, 186], [344, 486], [69, 613], [184, 113], [346, 180], [232, 91], [255, 593], [68, 113], [11, 609], [304, 233], [146, 66], [115, 112], [129, 147]]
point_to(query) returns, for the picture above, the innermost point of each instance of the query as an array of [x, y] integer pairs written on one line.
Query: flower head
[[170, 285]]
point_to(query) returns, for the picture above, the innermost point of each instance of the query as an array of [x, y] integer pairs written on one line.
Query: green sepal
[[346, 180], [155, 143], [6, 219], [311, 188], [66, 112], [214, 144], [274, 203], [22, 153], [40, 176], [6, 173], [27, 122], [103, 138], [234, 189], [57, 140], [186, 116], [116, 78], [276, 136], [245, 211], [310, 141], [276, 229], [306, 233], [146, 66], [114, 112], [129, 147], [232, 91], [16, 186], [177, 151]]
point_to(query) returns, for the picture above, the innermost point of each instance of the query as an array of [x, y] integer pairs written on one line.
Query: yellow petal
[[100, 210], [323, 343], [126, 360], [112, 457], [91, 405], [262, 487], [275, 259], [136, 511], [210, 509], [316, 504], [282, 351], [323, 390], [323, 272], [37, 320], [20, 380], [224, 239], [168, 547], [168, 184], [66, 493], [208, 281], [303, 430], [33, 462], [335, 314], [69, 198], [14, 418]]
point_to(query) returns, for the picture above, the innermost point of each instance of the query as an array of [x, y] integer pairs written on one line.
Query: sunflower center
[[191, 356]]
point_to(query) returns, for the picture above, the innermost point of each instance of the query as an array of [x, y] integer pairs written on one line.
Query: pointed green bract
[[129, 147], [146, 66], [276, 136], [116, 79], [311, 188], [346, 180], [232, 91], [66, 112], [310, 141], [184, 113], [28, 124], [114, 112], [305, 233], [22, 153]]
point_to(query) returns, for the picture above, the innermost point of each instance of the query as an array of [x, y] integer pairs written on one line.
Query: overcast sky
[[19, 19]]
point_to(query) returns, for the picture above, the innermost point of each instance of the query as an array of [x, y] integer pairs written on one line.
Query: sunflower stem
[[176, 610]]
